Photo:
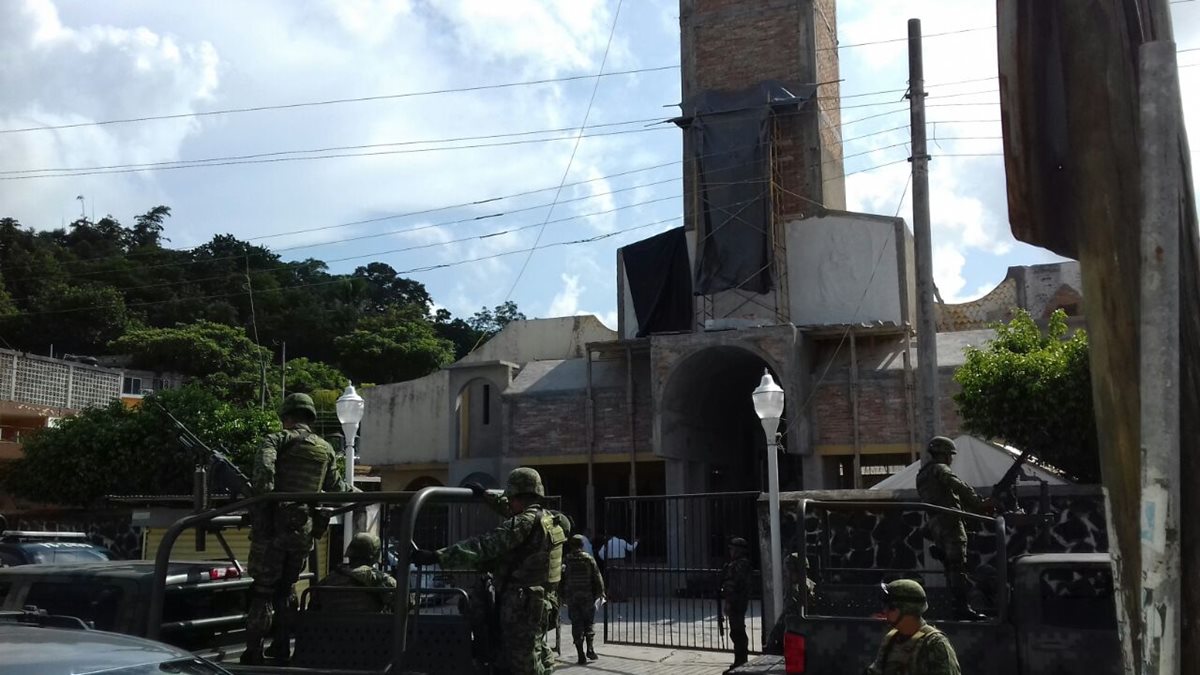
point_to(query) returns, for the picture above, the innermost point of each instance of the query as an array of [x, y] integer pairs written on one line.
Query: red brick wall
[[556, 424], [883, 418]]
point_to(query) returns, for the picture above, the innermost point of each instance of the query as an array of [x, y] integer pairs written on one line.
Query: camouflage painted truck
[[1047, 614]]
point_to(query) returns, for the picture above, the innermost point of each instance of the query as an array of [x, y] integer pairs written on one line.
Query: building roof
[[978, 463], [561, 375], [529, 340]]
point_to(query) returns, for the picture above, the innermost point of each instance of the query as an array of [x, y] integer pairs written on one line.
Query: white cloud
[[566, 301], [947, 272]]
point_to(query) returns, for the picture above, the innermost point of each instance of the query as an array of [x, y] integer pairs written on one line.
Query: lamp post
[[349, 412], [768, 405]]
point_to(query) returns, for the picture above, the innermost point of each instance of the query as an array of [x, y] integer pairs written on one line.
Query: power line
[[414, 270], [570, 160], [395, 216], [904, 39], [335, 101]]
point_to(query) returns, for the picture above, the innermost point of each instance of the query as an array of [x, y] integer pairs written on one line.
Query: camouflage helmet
[[575, 542], [940, 446], [905, 595], [298, 403], [363, 549], [738, 542], [524, 481]]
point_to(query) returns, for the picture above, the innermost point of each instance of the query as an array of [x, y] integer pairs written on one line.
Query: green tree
[[116, 450], [397, 346], [490, 322], [220, 357], [1033, 391], [78, 319], [305, 376]]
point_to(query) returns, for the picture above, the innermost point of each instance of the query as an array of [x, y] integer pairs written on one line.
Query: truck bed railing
[[997, 523], [414, 501]]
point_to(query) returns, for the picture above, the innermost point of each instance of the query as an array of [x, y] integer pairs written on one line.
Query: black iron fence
[[666, 591]]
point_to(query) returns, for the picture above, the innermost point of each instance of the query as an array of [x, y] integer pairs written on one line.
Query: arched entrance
[[707, 417], [422, 482]]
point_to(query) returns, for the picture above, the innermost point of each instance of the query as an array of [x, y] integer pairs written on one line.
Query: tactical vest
[[303, 459], [931, 488], [349, 601], [541, 563], [579, 574], [900, 658]]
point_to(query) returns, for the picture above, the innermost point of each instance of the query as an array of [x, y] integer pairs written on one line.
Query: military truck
[[406, 640], [1056, 617]]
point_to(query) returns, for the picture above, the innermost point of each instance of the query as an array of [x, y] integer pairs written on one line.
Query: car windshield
[[68, 555]]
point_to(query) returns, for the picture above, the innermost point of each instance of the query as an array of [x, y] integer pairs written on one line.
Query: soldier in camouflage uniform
[[735, 596], [363, 554], [281, 535], [938, 485], [911, 647], [525, 555], [582, 586], [797, 596]]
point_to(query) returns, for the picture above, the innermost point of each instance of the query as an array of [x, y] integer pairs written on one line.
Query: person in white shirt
[[612, 556]]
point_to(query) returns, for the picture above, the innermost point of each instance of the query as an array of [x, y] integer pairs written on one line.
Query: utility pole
[[927, 367], [283, 372]]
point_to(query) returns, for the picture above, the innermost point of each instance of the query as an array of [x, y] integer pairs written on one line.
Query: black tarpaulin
[[730, 132], [660, 282]]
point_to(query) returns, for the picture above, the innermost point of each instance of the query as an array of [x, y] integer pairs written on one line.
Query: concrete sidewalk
[[645, 661]]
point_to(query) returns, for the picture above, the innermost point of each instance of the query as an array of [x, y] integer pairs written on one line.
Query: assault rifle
[[225, 474], [1004, 492]]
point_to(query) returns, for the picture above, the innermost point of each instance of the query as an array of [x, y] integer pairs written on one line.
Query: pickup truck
[[1057, 617], [38, 548]]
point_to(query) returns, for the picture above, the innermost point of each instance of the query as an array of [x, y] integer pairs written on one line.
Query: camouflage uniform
[[499, 503], [582, 586], [937, 485], [795, 599], [363, 553], [927, 651], [735, 595], [281, 535], [525, 555]]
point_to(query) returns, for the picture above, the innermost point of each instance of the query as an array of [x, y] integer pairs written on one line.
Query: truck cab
[[1047, 614]]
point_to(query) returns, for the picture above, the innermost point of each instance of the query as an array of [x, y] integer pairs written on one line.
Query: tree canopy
[[222, 309], [1032, 390], [115, 450]]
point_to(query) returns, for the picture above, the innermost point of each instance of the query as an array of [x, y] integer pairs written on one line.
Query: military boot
[[591, 651], [579, 650], [253, 656]]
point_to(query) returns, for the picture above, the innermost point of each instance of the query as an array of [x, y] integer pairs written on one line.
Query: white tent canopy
[[978, 463]]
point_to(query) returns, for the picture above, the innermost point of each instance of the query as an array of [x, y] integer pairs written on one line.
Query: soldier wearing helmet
[[582, 587], [281, 535], [735, 597], [360, 572], [911, 647], [525, 555], [938, 485]]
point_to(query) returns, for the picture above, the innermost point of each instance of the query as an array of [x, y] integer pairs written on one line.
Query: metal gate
[[666, 592]]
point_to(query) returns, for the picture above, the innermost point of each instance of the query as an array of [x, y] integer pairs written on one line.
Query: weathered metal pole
[[1162, 181], [927, 368]]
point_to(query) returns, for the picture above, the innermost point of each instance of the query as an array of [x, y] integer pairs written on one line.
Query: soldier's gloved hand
[[476, 489], [423, 556]]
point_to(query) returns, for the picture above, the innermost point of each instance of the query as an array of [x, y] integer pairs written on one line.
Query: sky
[[440, 173]]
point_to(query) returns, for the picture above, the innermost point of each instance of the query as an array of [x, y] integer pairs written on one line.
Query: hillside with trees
[[221, 310]]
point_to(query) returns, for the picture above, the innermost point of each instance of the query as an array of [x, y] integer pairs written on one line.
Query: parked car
[[40, 548], [205, 608], [34, 643]]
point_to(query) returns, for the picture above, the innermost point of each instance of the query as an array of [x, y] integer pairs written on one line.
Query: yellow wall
[[239, 543]]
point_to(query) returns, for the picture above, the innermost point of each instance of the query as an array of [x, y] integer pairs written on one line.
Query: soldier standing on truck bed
[[363, 554], [582, 586], [735, 596], [911, 647], [281, 535], [938, 485], [525, 555]]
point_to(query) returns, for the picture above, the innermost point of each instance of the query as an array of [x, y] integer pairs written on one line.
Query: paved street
[[646, 661]]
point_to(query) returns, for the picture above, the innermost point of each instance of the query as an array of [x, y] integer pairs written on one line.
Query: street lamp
[[768, 405], [349, 412]]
